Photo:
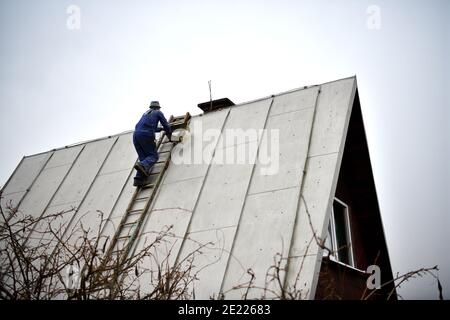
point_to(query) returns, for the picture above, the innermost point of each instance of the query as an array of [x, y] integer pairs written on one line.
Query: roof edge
[[80, 143], [294, 90], [197, 115]]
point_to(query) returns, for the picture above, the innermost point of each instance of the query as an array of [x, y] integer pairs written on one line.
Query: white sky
[[59, 86]]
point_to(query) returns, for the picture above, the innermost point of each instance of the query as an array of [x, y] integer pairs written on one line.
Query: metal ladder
[[131, 222]]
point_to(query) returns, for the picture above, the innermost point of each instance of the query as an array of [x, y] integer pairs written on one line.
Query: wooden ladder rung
[[129, 223], [141, 198], [180, 118], [135, 211], [175, 123]]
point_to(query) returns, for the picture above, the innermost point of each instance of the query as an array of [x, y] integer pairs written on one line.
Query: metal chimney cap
[[215, 104]]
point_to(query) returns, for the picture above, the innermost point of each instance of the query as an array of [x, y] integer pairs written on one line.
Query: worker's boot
[[139, 167], [147, 181], [138, 182]]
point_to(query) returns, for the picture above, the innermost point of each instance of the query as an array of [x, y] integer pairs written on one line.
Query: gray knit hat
[[155, 105]]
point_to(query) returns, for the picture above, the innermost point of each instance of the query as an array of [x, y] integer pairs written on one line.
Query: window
[[339, 236]]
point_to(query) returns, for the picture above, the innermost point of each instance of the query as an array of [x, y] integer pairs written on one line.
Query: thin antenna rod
[[210, 95]]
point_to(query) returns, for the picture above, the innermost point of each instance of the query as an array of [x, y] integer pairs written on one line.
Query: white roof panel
[[244, 215]]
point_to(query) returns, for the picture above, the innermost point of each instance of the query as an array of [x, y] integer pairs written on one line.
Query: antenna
[[210, 95]]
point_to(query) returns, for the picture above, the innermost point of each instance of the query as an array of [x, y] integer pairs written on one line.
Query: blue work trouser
[[144, 143]]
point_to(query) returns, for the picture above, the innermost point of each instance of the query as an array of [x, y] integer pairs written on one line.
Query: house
[[267, 196]]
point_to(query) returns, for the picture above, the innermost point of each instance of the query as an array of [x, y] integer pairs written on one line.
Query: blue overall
[[144, 138]]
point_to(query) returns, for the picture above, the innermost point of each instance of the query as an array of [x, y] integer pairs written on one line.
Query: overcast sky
[[60, 84]]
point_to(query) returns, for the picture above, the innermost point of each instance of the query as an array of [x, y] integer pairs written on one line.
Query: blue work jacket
[[149, 122]]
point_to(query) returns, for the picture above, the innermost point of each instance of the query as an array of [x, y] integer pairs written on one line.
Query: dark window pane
[[342, 242]]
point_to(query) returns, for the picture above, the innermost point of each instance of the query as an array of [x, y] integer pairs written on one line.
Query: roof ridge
[[198, 115]]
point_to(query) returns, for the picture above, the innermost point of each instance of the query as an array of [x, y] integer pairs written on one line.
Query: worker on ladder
[[144, 141]]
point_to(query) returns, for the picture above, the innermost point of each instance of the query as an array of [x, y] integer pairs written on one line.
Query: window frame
[[335, 254]]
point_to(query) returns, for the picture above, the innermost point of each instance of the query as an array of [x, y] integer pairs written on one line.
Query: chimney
[[215, 104]]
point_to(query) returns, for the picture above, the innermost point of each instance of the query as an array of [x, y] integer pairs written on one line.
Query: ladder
[[131, 222]]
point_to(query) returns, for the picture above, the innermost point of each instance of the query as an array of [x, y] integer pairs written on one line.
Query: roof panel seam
[[211, 229], [201, 189], [273, 190], [227, 266], [240, 143], [183, 180], [292, 111], [32, 182], [47, 206], [60, 165], [12, 175], [89, 188], [335, 176], [322, 154], [119, 196], [300, 193], [114, 171], [63, 203], [8, 194]]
